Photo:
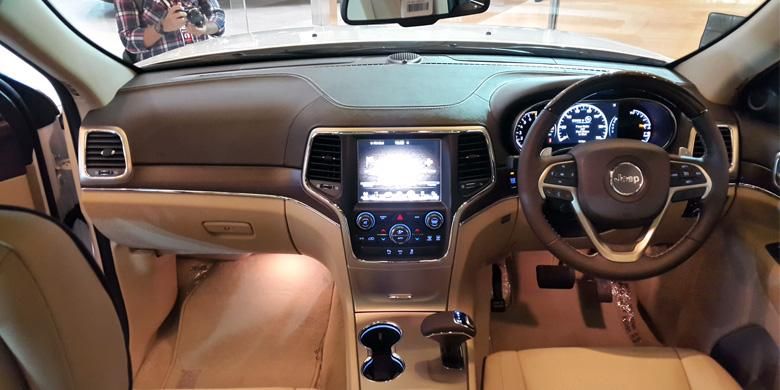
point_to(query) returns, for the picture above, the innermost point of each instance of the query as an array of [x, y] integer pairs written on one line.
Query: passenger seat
[[59, 328]]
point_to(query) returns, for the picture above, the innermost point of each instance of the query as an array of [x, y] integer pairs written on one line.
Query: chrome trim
[[640, 246], [759, 189], [456, 217], [376, 323], [214, 193], [84, 176], [612, 179], [734, 131], [450, 332], [404, 296], [776, 171]]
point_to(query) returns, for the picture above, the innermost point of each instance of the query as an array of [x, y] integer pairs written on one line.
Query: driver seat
[[605, 368]]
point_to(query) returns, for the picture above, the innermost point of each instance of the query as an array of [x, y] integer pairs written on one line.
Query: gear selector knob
[[450, 329]]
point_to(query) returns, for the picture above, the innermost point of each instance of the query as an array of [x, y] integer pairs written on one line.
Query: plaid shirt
[[131, 23]]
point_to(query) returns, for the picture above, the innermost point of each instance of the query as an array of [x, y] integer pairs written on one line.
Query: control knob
[[434, 220], [365, 220], [400, 234]]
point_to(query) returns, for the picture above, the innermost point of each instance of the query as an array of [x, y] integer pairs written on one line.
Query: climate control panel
[[399, 235]]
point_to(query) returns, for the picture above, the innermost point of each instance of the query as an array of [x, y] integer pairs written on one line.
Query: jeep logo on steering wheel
[[626, 179]]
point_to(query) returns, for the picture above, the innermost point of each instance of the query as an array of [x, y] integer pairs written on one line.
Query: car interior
[[441, 219]]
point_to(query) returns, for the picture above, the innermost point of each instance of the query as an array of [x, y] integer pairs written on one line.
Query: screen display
[[399, 170]]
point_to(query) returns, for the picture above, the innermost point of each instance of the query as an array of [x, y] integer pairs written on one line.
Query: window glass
[[662, 30]]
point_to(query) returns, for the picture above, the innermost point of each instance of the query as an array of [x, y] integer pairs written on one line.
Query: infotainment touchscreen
[[399, 170]]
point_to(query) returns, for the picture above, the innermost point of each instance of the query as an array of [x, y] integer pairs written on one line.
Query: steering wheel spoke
[[605, 250], [559, 179], [688, 180]]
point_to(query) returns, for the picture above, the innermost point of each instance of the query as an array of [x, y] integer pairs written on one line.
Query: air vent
[[404, 58], [474, 167], [698, 148], [103, 155], [324, 166]]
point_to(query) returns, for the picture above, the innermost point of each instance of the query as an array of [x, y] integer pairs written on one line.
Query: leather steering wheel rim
[[715, 164]]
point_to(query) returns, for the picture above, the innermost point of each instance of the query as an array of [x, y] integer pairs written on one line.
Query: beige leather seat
[[59, 328], [603, 369]]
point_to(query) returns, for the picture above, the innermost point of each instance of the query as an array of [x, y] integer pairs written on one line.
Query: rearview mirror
[[408, 12]]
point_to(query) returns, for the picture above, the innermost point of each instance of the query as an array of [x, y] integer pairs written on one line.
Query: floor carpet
[[255, 322], [542, 318]]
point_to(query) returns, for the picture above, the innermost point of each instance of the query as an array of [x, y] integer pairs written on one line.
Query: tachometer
[[581, 123], [639, 124]]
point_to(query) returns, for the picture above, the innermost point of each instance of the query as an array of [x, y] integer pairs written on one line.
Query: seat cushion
[[604, 368]]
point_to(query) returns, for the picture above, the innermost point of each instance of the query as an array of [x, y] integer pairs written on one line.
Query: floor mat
[[542, 318], [255, 322]]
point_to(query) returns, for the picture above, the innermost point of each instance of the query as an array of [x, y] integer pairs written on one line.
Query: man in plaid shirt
[[150, 27]]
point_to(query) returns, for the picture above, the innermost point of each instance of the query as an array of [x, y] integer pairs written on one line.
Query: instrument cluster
[[593, 120]]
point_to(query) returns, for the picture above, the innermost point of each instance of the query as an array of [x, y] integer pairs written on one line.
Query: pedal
[[597, 288], [501, 289], [558, 277]]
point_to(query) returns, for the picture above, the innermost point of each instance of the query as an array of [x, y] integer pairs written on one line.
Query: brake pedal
[[598, 289], [558, 277]]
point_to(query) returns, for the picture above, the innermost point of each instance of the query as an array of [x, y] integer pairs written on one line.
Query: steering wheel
[[623, 183]]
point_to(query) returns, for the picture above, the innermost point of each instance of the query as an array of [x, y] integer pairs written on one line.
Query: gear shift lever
[[450, 329]]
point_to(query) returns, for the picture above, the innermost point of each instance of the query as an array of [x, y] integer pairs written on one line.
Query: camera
[[196, 17]]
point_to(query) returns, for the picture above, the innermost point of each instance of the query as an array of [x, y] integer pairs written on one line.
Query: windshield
[[153, 32]]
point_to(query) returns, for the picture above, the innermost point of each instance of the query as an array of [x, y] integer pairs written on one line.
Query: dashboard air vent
[[104, 154], [474, 168], [698, 149], [325, 159]]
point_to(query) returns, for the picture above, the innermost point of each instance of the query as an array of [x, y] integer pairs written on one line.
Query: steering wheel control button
[[689, 194], [365, 221], [626, 179], [434, 220], [564, 174], [400, 234], [684, 174], [556, 193]]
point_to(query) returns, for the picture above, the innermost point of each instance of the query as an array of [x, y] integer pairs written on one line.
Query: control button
[[434, 220], [558, 194], [690, 194], [365, 220], [685, 174], [562, 174], [400, 234]]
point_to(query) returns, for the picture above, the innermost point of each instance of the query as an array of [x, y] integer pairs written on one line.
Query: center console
[[400, 212], [400, 194], [399, 189]]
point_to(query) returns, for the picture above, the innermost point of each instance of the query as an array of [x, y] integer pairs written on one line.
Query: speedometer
[[581, 123], [521, 128]]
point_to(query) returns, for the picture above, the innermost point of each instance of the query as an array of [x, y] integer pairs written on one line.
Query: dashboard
[[592, 120], [398, 167]]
